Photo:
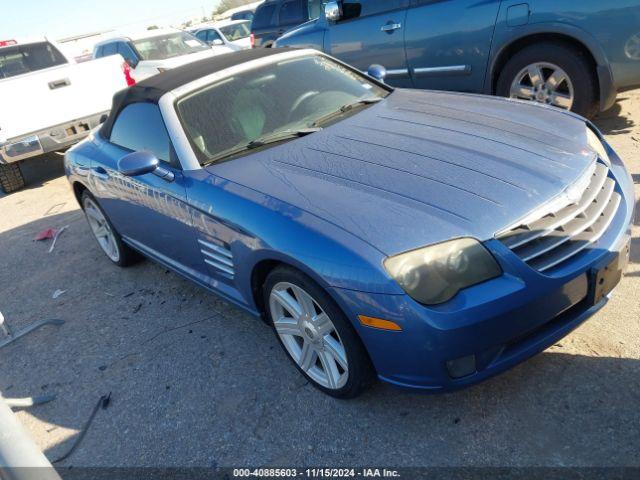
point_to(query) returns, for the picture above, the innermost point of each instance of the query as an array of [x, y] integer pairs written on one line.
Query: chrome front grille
[[554, 237], [218, 257]]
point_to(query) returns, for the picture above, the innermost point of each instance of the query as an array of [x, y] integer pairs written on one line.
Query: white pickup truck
[[48, 102]]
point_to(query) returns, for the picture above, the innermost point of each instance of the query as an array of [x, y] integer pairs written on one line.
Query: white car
[[49, 102], [234, 34], [155, 51]]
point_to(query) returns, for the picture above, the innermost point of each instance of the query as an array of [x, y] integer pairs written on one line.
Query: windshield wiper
[[280, 136], [275, 137], [344, 109]]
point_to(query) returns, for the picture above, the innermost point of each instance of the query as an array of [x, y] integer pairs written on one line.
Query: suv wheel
[[553, 74], [11, 178]]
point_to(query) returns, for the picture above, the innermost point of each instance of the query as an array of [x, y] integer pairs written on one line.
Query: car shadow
[[615, 121], [195, 381]]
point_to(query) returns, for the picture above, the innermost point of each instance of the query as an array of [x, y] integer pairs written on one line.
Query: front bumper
[[499, 323], [49, 139]]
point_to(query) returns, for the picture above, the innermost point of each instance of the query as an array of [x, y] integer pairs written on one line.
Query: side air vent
[[218, 257]]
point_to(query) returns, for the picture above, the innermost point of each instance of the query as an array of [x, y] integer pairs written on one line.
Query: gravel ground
[[196, 382]]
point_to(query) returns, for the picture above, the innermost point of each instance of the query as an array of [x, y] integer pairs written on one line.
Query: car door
[[264, 26], [370, 32], [150, 213], [448, 43]]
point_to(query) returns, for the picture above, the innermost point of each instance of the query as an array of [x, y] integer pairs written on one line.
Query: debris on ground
[[3, 326], [55, 237], [57, 293], [47, 234], [103, 403], [27, 402]]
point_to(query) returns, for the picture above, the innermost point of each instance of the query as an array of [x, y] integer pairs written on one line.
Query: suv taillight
[[126, 69], [252, 39]]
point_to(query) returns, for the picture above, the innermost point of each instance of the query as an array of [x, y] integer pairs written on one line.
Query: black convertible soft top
[[153, 88]]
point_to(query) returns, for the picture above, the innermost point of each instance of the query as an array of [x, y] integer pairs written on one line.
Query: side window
[[127, 53], [314, 8], [109, 49], [363, 8], [99, 52], [292, 12], [264, 15], [202, 35], [213, 35], [140, 127]]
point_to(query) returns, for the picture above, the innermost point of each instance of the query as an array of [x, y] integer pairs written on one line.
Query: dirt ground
[[196, 382]]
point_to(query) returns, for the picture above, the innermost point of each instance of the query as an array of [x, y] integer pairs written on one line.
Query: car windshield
[[272, 104], [20, 59], [236, 32], [168, 46]]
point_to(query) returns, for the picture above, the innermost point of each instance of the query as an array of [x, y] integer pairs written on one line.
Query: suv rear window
[[21, 59], [168, 46], [264, 16]]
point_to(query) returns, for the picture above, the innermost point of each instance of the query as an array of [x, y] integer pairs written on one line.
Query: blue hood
[[423, 167]]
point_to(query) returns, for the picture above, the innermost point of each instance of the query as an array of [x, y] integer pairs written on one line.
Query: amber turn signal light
[[379, 323]]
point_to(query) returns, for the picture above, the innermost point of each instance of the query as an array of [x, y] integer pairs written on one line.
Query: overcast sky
[[64, 18]]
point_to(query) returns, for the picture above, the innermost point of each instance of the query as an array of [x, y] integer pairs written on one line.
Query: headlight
[[596, 145], [435, 274]]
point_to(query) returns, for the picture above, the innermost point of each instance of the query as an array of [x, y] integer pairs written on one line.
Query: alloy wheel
[[309, 335], [101, 229], [544, 83]]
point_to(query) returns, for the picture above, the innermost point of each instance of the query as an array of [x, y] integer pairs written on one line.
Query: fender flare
[[603, 70]]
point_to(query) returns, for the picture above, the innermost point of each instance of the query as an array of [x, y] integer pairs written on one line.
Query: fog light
[[462, 367]]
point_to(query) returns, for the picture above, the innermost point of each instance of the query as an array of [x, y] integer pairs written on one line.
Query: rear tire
[[11, 178], [105, 234], [336, 360], [571, 61]]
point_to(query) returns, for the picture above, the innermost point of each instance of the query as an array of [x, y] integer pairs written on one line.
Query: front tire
[[316, 334], [554, 74], [11, 178], [107, 237]]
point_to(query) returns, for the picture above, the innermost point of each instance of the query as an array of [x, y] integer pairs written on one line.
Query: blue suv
[[572, 54]]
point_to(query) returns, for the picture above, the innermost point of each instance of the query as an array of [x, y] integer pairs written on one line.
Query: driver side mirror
[[217, 41], [333, 11], [140, 163], [378, 72]]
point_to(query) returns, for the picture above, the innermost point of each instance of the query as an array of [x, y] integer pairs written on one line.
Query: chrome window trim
[[184, 152]]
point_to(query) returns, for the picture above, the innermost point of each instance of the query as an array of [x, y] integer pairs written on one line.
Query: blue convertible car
[[429, 239]]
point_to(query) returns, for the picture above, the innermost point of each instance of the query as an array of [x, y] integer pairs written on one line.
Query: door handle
[[64, 82], [100, 173], [390, 27]]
